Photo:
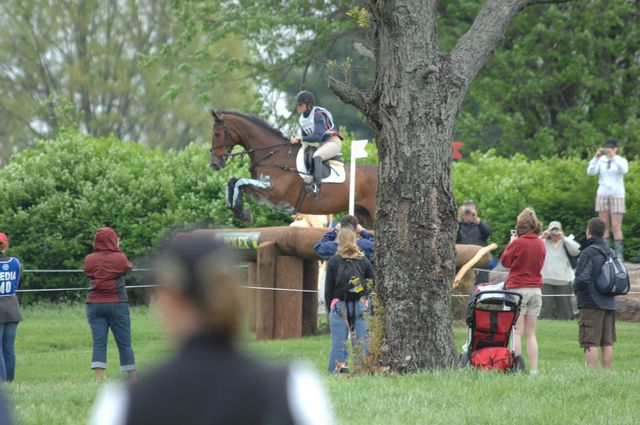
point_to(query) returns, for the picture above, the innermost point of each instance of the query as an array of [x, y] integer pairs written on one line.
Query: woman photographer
[[610, 204], [557, 272], [473, 231], [524, 257]]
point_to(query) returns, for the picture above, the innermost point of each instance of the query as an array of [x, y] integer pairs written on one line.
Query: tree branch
[[349, 94], [364, 50], [488, 29]]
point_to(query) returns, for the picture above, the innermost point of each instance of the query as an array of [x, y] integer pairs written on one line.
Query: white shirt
[[557, 268], [612, 171]]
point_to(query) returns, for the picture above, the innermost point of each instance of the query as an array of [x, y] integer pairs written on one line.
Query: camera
[[554, 231], [467, 211], [513, 232]]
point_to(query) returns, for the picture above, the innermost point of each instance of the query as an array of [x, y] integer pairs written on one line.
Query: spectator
[[346, 296], [473, 231], [327, 246], [107, 302], [524, 257], [209, 381], [10, 316], [597, 312], [610, 204], [557, 273]]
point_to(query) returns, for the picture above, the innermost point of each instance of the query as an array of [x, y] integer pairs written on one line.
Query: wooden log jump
[[283, 258]]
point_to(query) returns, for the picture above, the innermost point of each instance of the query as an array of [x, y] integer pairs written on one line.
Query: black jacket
[[211, 383], [590, 262], [334, 276], [473, 233]]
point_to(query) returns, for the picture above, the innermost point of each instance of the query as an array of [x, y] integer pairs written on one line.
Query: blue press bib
[[9, 277]]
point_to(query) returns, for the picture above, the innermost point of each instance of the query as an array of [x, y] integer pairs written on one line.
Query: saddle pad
[[337, 174]]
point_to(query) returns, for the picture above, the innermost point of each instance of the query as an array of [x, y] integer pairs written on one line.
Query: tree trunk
[[415, 225], [413, 105]]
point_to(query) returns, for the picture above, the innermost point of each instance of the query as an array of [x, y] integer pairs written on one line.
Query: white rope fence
[[259, 288]]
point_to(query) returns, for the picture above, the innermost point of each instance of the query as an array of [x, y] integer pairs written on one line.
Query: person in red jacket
[[524, 257], [107, 302]]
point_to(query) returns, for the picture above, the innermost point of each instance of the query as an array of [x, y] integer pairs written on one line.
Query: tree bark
[[414, 105]]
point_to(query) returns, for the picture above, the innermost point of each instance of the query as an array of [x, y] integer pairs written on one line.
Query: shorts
[[610, 204], [531, 300], [597, 327]]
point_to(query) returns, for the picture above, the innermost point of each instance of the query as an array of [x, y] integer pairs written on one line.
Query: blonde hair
[[528, 222], [347, 247]]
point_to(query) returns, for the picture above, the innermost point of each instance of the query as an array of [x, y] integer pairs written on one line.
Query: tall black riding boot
[[317, 177]]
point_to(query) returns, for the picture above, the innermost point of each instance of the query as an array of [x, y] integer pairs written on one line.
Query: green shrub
[[54, 197], [557, 188]]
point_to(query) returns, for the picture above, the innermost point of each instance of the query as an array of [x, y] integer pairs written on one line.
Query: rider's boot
[[317, 177]]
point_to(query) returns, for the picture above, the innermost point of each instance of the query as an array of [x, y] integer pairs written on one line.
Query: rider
[[317, 126]]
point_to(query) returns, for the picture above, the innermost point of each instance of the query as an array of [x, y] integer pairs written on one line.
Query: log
[[265, 299], [299, 242], [288, 304], [310, 299], [252, 296]]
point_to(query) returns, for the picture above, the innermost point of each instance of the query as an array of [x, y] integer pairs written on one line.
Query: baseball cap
[[555, 225]]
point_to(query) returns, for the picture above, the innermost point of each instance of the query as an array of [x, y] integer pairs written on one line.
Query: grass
[[54, 384]]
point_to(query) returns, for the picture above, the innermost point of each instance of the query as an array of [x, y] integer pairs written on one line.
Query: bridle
[[228, 148]]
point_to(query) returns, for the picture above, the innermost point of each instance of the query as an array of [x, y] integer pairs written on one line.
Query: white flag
[[357, 149]]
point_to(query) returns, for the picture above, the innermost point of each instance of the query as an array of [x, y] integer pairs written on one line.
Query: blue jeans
[[8, 357], [340, 332], [103, 316]]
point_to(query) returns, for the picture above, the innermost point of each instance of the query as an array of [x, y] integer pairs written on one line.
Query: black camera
[[467, 211]]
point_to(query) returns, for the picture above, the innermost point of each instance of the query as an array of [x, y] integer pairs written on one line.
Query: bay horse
[[274, 177]]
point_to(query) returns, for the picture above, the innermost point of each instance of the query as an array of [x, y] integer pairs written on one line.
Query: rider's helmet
[[305, 97]]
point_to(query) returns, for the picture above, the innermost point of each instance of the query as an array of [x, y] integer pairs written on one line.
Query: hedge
[[55, 195]]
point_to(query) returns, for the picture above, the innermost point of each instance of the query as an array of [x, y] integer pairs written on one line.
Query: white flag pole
[[357, 151]]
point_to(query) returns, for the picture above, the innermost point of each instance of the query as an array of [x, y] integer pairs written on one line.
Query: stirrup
[[313, 190]]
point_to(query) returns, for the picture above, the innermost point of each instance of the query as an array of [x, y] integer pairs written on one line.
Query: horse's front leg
[[235, 190]]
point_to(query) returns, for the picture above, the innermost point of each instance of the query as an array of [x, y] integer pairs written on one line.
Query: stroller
[[491, 316]]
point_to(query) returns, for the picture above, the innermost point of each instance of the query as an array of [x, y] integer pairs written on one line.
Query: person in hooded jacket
[[10, 275], [107, 302]]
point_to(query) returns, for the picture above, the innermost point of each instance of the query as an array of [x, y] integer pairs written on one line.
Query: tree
[[96, 59], [413, 105], [564, 80]]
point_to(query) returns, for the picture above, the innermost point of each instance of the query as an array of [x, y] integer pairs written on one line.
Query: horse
[[275, 179]]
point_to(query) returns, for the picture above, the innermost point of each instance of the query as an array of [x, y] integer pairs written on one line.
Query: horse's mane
[[257, 121]]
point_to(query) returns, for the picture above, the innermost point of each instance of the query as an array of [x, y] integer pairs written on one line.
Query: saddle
[[326, 165]]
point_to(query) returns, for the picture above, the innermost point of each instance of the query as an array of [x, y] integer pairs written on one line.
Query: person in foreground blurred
[[107, 302], [597, 318], [10, 274], [346, 299], [209, 381], [524, 257]]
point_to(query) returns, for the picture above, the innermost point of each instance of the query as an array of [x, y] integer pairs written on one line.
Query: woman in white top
[[611, 168], [557, 273]]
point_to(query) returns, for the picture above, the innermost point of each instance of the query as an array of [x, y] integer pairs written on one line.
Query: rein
[[260, 162]]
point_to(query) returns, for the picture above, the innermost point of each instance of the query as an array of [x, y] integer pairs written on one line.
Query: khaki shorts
[[597, 327], [610, 204], [531, 300]]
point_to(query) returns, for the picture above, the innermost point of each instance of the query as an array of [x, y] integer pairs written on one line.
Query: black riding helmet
[[305, 97]]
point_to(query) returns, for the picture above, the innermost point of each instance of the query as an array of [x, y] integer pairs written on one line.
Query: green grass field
[[54, 384]]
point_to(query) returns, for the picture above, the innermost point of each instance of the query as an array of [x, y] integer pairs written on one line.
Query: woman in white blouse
[[610, 206]]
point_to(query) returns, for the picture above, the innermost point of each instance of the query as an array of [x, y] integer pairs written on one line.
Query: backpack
[[613, 278], [350, 282]]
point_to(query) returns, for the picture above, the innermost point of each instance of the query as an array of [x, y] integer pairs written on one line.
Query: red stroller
[[491, 317]]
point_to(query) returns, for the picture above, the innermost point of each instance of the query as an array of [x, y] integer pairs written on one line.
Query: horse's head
[[222, 142]]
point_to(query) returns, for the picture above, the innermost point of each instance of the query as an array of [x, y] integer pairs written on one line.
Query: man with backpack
[[597, 318]]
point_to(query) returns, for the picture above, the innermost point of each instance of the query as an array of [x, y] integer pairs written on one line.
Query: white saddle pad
[[337, 169]]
